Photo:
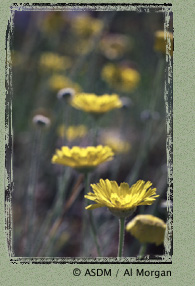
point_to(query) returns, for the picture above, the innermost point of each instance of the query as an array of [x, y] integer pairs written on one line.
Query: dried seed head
[[145, 115], [66, 93], [126, 102], [41, 120]]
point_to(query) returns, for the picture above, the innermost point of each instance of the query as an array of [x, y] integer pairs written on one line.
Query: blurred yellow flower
[[53, 22], [117, 145], [147, 229], [92, 103], [122, 78], [83, 159], [54, 62], [114, 46], [58, 81], [161, 39], [86, 26], [72, 132], [121, 200]]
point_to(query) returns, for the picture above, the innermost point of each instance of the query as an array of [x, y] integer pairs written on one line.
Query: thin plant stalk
[[142, 250], [95, 130], [121, 236], [31, 215], [66, 119], [145, 144], [106, 19], [91, 220], [57, 209]]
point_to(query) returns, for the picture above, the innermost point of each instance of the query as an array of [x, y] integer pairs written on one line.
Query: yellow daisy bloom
[[122, 78], [54, 62], [83, 159], [53, 22], [147, 229], [121, 200], [113, 46], [161, 38], [72, 132], [58, 81], [92, 103], [86, 26], [117, 145]]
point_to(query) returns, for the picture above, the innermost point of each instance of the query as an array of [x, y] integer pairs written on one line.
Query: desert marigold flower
[[147, 229], [121, 200], [122, 78], [54, 62], [83, 159], [58, 81], [117, 145], [161, 40], [113, 46], [72, 132], [96, 104], [86, 26], [53, 22]]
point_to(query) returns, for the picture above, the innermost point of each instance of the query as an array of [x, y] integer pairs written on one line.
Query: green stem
[[91, 220], [48, 241], [31, 215], [145, 144], [142, 250], [121, 236]]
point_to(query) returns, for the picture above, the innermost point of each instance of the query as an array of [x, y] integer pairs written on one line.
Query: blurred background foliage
[[92, 52]]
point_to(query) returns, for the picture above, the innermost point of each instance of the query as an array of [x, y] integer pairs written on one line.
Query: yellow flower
[[122, 78], [54, 62], [161, 39], [117, 145], [147, 229], [86, 26], [59, 81], [113, 46], [83, 159], [53, 22], [121, 200], [72, 132], [96, 104]]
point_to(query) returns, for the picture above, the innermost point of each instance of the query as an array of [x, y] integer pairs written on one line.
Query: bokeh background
[[87, 51]]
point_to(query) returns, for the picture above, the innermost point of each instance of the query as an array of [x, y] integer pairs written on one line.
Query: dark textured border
[[168, 97]]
